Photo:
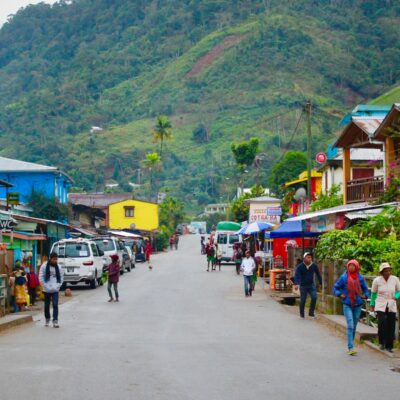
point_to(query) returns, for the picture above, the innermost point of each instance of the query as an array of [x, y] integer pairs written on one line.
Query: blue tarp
[[290, 229]]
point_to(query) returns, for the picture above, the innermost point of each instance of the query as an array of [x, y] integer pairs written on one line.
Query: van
[[110, 246], [81, 260], [225, 236]]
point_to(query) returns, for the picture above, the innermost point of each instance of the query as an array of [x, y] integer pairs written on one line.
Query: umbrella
[[255, 227]]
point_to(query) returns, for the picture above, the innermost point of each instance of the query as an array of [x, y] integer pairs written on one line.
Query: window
[[129, 211], [105, 244], [94, 250], [73, 250], [233, 239], [222, 238]]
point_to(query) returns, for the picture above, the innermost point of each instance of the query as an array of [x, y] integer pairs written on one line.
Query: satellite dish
[[300, 194], [133, 226]]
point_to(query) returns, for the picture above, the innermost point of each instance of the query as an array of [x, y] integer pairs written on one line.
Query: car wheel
[[93, 283]]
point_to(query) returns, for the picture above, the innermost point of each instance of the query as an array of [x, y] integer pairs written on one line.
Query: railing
[[365, 189]]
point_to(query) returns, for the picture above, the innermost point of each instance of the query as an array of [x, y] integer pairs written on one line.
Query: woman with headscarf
[[352, 289], [384, 293], [113, 277]]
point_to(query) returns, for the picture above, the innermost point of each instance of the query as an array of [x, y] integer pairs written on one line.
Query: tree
[[328, 200], [162, 130], [240, 209], [152, 163], [172, 213], [245, 153], [46, 208], [287, 169]]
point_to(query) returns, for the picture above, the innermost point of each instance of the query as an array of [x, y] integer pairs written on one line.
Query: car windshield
[[71, 250], [233, 239], [105, 244]]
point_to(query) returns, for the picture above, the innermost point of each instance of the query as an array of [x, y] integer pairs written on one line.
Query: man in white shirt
[[248, 267]]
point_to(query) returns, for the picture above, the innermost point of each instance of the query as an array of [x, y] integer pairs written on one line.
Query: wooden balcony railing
[[365, 189]]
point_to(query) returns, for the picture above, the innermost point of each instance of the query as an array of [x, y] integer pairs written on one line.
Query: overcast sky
[[12, 6]]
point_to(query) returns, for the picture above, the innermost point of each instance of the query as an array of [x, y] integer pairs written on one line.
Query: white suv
[[81, 260], [110, 246]]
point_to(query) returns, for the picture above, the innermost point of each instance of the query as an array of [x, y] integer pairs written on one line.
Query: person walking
[[51, 277], [305, 278], [33, 283], [210, 251], [218, 256], [171, 243], [238, 258], [176, 241], [248, 267], [20, 289], [11, 284], [147, 251], [352, 289], [384, 293], [113, 278], [202, 245]]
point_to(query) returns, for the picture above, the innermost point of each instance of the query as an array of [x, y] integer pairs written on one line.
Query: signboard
[[274, 211], [13, 198], [261, 213], [6, 225], [321, 158]]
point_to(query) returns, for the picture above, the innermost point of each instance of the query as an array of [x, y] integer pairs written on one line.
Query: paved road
[[182, 333]]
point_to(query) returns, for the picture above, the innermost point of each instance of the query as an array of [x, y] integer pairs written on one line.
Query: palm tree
[[162, 130], [152, 163]]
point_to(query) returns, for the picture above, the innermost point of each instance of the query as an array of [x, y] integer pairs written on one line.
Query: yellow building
[[133, 214]]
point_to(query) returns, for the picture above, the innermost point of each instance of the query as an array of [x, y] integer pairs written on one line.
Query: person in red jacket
[[32, 283], [147, 251], [113, 278]]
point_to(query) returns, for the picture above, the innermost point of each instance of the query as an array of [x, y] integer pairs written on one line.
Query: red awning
[[24, 236]]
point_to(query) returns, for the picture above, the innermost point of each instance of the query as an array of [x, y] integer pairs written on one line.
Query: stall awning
[[125, 234], [24, 235], [290, 229]]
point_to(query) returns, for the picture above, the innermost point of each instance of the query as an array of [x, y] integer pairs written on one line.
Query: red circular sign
[[321, 158]]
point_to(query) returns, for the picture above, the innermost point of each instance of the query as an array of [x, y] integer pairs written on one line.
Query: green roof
[[228, 226]]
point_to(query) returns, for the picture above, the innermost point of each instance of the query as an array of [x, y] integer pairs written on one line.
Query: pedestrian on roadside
[[384, 293], [176, 241], [305, 278], [51, 277], [257, 260], [218, 255], [113, 278], [20, 289], [11, 284], [248, 267], [171, 243], [210, 251], [32, 283], [147, 251], [352, 289], [238, 258]]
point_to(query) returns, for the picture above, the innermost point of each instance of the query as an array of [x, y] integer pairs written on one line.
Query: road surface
[[180, 332]]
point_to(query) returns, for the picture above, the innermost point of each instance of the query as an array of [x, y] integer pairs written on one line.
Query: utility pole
[[307, 109]]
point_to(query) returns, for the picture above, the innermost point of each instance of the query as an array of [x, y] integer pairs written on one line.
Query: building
[[134, 215], [265, 209], [28, 178], [82, 203], [368, 183], [221, 208], [364, 163]]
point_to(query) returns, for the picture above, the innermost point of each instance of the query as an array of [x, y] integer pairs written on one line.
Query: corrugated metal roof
[[11, 165], [263, 199], [97, 199], [368, 124], [359, 154]]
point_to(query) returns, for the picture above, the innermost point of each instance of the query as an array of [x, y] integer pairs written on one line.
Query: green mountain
[[222, 70]]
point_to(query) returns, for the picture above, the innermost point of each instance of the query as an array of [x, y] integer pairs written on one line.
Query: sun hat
[[383, 266]]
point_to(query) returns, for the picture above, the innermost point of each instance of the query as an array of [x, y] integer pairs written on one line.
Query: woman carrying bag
[[385, 291], [352, 289]]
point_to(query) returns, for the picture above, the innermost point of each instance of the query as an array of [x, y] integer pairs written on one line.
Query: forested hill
[[215, 66]]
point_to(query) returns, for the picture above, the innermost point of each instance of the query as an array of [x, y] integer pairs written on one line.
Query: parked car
[[139, 244], [130, 255], [81, 260], [110, 246]]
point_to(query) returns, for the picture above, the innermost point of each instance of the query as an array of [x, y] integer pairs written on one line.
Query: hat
[[114, 257], [383, 266], [307, 253]]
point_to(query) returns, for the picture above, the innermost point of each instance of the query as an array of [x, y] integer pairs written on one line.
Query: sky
[[12, 6]]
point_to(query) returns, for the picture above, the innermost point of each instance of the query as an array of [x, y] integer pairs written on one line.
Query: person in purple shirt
[[113, 278]]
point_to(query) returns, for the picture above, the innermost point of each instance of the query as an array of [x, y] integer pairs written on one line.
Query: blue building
[[28, 178]]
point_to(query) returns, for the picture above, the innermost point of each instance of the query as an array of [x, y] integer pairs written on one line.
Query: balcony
[[365, 189]]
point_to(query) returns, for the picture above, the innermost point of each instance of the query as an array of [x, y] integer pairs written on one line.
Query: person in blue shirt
[[352, 289], [305, 278]]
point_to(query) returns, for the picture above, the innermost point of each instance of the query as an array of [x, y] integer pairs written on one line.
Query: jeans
[[312, 291], [32, 295], [352, 315], [386, 328], [53, 298], [247, 285], [109, 286]]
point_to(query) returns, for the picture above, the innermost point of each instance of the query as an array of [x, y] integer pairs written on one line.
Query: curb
[[376, 348], [13, 321]]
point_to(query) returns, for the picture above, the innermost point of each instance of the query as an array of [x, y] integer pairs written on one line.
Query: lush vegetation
[[328, 200], [221, 71], [371, 242]]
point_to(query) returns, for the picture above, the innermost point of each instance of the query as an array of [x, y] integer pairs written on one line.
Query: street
[[180, 332]]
